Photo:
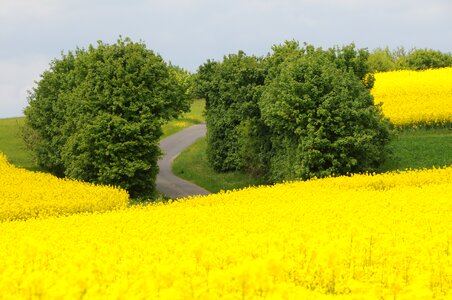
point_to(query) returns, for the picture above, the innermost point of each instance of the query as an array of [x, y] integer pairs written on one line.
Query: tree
[[300, 112], [382, 60], [229, 88], [421, 59], [44, 132], [353, 60], [98, 113], [321, 115]]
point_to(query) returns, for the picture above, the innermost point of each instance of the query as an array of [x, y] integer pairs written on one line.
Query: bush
[[99, 112], [353, 60], [382, 60], [45, 129], [321, 117], [230, 90], [421, 59], [301, 112], [184, 78]]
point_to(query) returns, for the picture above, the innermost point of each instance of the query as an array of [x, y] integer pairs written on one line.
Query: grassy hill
[[12, 145]]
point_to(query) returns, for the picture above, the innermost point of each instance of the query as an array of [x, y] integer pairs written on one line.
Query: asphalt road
[[167, 183]]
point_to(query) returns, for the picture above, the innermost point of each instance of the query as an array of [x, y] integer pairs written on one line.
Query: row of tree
[[384, 59], [300, 112], [97, 113]]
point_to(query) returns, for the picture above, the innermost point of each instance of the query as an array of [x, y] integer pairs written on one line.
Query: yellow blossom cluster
[[25, 194], [415, 97], [365, 236]]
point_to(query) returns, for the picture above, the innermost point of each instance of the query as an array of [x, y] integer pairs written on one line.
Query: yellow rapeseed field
[[415, 97], [25, 194], [362, 237]]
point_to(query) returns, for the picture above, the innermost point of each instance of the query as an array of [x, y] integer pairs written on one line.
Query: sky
[[189, 32]]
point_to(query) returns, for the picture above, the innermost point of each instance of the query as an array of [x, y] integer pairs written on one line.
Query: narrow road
[[167, 183]]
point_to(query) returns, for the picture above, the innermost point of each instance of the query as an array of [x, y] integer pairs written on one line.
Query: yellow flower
[[381, 236], [415, 97], [25, 194]]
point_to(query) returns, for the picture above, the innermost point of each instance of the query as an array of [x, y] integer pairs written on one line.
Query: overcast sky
[[188, 32]]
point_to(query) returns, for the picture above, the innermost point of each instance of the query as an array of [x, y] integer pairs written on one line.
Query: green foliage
[[421, 59], [322, 118], [46, 124], [98, 114], [231, 97], [348, 58], [184, 78], [383, 60], [255, 146], [298, 113]]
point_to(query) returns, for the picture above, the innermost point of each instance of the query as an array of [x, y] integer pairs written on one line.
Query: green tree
[[184, 78], [382, 60], [421, 59], [353, 60], [46, 114], [321, 116], [98, 113], [230, 90], [300, 112]]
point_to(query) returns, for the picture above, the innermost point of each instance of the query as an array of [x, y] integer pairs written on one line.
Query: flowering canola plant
[[415, 97], [25, 194], [384, 236]]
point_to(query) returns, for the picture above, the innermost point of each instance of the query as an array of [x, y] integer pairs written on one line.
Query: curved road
[[167, 183]]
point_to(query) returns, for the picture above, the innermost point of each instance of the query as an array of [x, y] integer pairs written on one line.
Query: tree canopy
[[98, 114]]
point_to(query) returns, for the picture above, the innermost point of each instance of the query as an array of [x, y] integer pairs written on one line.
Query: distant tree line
[[384, 59]]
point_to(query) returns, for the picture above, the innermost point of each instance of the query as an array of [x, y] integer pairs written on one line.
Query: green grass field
[[192, 165], [12, 145], [422, 148]]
